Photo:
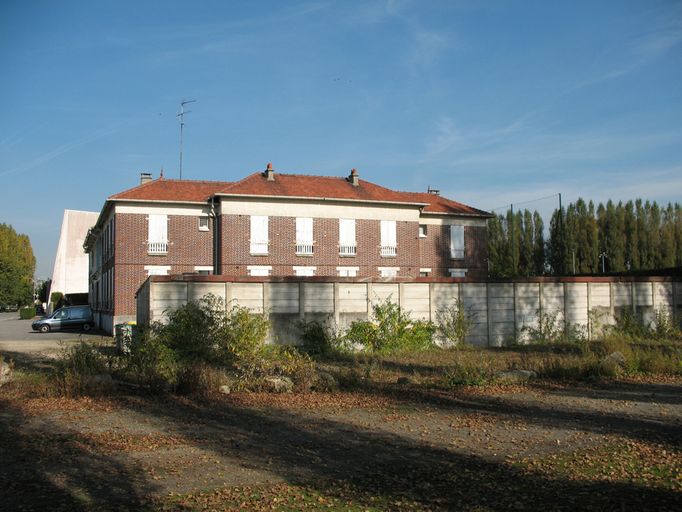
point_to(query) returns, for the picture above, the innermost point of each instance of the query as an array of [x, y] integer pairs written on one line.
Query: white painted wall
[[70, 273]]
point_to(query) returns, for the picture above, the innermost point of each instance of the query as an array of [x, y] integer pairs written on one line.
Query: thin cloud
[[60, 150]]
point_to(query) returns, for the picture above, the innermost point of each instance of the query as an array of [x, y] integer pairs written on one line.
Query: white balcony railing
[[347, 250], [304, 248], [389, 250], [259, 247], [157, 247]]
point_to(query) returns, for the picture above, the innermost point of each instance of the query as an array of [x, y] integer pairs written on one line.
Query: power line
[[525, 202]]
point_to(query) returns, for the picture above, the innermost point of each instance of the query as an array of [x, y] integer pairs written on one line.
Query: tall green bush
[[391, 330], [454, 323]]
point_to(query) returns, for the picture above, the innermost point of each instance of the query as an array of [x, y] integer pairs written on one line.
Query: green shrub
[[77, 364], [319, 339], [200, 377], [664, 326], [454, 323], [390, 331], [549, 329], [204, 331], [241, 334], [273, 361], [27, 313], [151, 362], [191, 330], [461, 374], [629, 325]]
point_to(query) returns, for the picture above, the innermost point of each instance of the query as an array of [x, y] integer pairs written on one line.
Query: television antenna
[[181, 115]]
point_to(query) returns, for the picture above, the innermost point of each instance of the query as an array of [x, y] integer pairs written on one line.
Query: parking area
[[16, 336]]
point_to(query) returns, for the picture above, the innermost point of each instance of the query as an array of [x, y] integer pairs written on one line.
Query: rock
[[325, 381], [278, 384], [615, 359], [6, 374], [516, 375], [404, 381], [224, 389]]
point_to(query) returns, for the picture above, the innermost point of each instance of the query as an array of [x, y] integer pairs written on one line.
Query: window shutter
[[457, 242], [158, 228], [259, 228], [304, 230], [388, 233], [347, 231]]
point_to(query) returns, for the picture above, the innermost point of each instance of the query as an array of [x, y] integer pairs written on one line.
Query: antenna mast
[[181, 115]]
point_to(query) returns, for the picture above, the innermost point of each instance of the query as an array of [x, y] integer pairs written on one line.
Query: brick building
[[272, 224]]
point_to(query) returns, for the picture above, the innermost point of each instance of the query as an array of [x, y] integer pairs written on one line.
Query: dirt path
[[428, 449]]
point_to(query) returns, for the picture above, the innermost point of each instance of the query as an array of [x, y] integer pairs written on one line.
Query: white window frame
[[204, 268], [457, 244], [304, 271], [347, 243], [259, 270], [389, 239], [203, 220], [426, 271], [157, 270], [423, 230], [157, 234], [304, 236], [347, 271], [457, 272], [259, 231], [388, 271]]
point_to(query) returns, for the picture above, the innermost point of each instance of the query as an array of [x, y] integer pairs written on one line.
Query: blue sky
[[489, 101]]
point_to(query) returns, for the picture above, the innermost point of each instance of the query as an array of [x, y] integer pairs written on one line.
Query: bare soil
[[387, 447]]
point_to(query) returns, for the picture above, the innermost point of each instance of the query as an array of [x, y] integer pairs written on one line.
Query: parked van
[[70, 317]]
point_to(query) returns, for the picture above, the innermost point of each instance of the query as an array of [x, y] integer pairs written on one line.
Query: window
[[259, 234], [388, 238], [422, 230], [457, 272], [157, 270], [347, 271], [203, 223], [388, 271], [424, 272], [203, 270], [457, 242], [347, 245], [305, 271], [157, 238], [259, 270], [304, 236]]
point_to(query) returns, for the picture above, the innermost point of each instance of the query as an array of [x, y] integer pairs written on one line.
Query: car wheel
[[86, 327], [44, 328]]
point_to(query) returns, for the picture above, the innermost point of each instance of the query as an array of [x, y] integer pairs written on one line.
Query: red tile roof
[[297, 185], [291, 185], [172, 190]]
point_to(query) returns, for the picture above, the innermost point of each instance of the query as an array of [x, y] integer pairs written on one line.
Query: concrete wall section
[[501, 312]]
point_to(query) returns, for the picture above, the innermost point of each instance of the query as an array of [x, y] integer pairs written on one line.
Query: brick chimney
[[145, 177], [353, 178], [269, 172]]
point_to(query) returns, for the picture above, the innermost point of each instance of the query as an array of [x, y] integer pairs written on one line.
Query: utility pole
[[513, 240], [181, 115], [603, 257]]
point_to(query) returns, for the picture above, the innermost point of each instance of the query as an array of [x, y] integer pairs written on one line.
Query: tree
[[17, 265]]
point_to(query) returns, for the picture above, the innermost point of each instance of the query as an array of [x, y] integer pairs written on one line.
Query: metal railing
[[347, 250], [304, 248], [157, 247], [389, 250]]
